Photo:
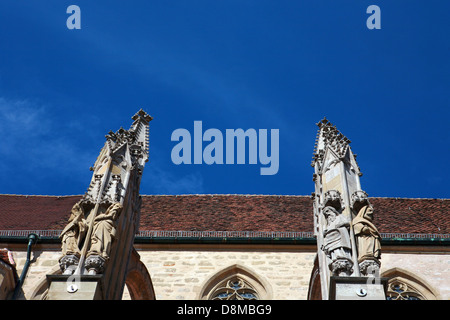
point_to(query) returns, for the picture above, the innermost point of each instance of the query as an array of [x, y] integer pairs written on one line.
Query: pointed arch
[[236, 281], [138, 280], [315, 290], [405, 285], [40, 291]]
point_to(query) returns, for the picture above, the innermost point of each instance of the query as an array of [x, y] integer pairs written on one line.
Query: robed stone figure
[[71, 238], [367, 236], [104, 231], [337, 244], [74, 232]]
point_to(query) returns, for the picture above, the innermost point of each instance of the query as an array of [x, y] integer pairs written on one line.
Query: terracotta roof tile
[[19, 212], [228, 213]]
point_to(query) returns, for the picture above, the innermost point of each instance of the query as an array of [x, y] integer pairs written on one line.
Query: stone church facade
[[113, 243]]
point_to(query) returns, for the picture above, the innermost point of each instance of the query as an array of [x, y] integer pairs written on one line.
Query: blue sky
[[230, 64]]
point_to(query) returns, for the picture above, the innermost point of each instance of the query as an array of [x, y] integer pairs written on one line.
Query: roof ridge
[[40, 195], [224, 194], [387, 235], [215, 194], [396, 198]]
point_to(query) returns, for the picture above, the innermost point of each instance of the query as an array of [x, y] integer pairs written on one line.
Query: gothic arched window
[[404, 285], [234, 289], [236, 283], [398, 290]]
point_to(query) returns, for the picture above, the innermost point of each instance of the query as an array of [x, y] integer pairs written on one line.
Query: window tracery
[[235, 289], [398, 290], [236, 282], [405, 285]]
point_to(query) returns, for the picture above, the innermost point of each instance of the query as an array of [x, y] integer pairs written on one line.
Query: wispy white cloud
[[36, 147], [32, 143], [22, 116]]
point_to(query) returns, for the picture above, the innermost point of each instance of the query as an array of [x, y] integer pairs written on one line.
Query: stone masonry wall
[[43, 261], [180, 273]]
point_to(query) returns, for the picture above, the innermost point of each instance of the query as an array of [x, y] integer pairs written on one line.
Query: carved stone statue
[[71, 237], [337, 245], [367, 239], [103, 233]]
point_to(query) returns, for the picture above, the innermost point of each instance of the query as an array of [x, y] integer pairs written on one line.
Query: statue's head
[[369, 212], [77, 210], [366, 212], [330, 213], [116, 206]]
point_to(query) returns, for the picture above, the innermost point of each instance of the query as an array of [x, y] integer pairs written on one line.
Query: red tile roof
[[19, 212], [228, 213]]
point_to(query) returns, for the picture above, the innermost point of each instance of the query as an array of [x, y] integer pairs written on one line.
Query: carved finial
[[143, 115], [329, 135], [322, 122]]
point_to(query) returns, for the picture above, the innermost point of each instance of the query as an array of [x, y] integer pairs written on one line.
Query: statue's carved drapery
[[99, 244], [103, 234], [337, 245], [71, 238], [368, 240], [74, 232], [367, 235], [104, 230]]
